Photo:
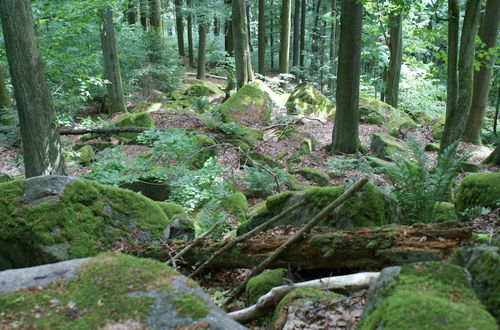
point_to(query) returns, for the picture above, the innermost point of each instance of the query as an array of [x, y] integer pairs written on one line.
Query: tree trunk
[[488, 34], [216, 26], [143, 8], [352, 250], [247, 9], [296, 34], [131, 13], [243, 63], [395, 60], [345, 130], [190, 34], [494, 158], [271, 33], [333, 46], [155, 18], [179, 25], [202, 45], [111, 62], [457, 117], [262, 36], [41, 146], [228, 40], [315, 40], [302, 33], [5, 119], [286, 12]]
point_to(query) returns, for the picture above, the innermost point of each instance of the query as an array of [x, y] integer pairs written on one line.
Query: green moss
[[478, 189], [262, 283], [86, 155], [305, 99], [199, 88], [429, 296], [322, 196], [146, 107], [5, 178], [275, 203], [89, 216], [444, 211], [190, 305], [237, 205], [257, 209], [314, 175], [262, 159], [384, 145], [171, 209], [373, 111], [245, 147], [100, 294], [438, 128], [249, 104], [327, 243], [206, 147], [395, 125], [133, 119], [432, 147], [293, 183]]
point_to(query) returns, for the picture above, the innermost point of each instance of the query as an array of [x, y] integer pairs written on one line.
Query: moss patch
[[429, 296], [405, 122], [479, 189], [384, 145], [88, 216], [314, 175], [259, 285], [172, 210], [305, 99], [190, 305], [237, 205], [322, 196], [373, 111], [206, 147], [133, 119], [275, 203], [100, 294]]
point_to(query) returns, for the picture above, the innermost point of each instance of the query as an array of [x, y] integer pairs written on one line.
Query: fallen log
[[326, 248], [270, 299]]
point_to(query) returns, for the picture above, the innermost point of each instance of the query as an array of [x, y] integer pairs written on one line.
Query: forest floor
[[342, 314]]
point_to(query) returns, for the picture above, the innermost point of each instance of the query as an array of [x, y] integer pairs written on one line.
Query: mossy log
[[354, 250]]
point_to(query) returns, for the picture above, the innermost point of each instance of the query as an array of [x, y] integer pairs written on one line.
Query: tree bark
[[355, 249], [494, 158], [41, 146], [111, 62], [5, 119], [333, 46], [179, 25], [190, 34], [456, 119], [296, 34], [228, 40], [395, 59], [315, 40], [249, 31], [202, 46], [345, 130], [286, 12], [488, 35], [262, 36], [143, 8], [243, 63], [155, 18], [131, 12], [302, 33], [271, 34]]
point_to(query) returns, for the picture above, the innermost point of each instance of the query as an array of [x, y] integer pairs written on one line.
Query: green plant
[[417, 187], [201, 104], [339, 165], [262, 180], [208, 216], [9, 126]]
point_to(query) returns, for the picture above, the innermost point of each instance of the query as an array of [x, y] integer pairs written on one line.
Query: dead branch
[[301, 233], [270, 299]]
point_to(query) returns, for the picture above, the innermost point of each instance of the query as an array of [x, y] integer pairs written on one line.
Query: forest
[[249, 164]]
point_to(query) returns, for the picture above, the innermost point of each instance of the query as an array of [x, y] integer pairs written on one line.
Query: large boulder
[[55, 218], [250, 105], [373, 111], [261, 284], [478, 190], [199, 88], [369, 207], [427, 295], [385, 146], [141, 119], [483, 264], [306, 99], [110, 291]]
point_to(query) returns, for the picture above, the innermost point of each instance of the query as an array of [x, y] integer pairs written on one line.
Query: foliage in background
[[417, 187], [339, 165], [262, 181]]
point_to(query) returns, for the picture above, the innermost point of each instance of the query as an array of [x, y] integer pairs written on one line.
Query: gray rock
[[377, 286], [16, 279], [42, 188]]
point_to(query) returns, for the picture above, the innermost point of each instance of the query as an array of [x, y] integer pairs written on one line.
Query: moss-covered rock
[[86, 155], [172, 210], [305, 99], [236, 205], [399, 125], [113, 291], [207, 148], [85, 219], [141, 119], [432, 147], [146, 107], [478, 189], [428, 295], [438, 128], [369, 207], [316, 176], [198, 88], [373, 111], [248, 106], [483, 263], [261, 284], [385, 146], [444, 211], [293, 183], [300, 298], [261, 159]]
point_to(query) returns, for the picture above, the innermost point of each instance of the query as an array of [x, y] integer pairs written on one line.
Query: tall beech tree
[[179, 26], [457, 110], [131, 12], [228, 37], [345, 130], [190, 32], [144, 14], [112, 70], [202, 46], [41, 146], [296, 33], [243, 63], [155, 18], [391, 93], [262, 36], [286, 12], [488, 34]]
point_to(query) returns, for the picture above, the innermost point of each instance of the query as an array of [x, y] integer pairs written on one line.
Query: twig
[[246, 236], [313, 222], [193, 243]]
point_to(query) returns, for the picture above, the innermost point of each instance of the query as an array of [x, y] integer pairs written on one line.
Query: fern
[[417, 187]]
